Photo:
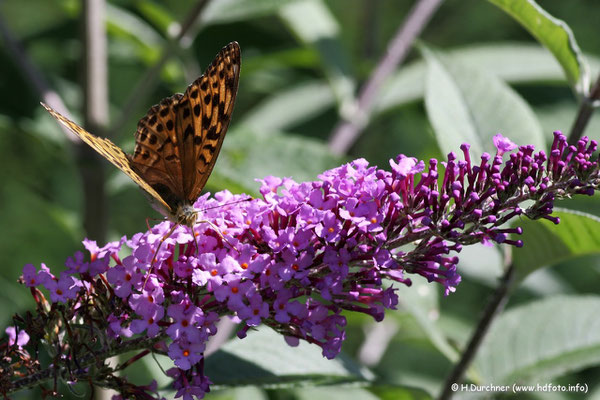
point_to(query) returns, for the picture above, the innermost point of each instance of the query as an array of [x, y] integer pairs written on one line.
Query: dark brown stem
[[346, 133], [493, 308], [585, 113], [95, 85], [149, 80]]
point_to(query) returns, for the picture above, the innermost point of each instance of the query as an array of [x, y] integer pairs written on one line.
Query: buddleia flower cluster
[[296, 259]]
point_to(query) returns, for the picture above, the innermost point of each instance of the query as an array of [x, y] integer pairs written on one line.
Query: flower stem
[[585, 112], [494, 307], [346, 133]]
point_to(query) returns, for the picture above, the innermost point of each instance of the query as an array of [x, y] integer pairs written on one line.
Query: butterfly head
[[186, 215]]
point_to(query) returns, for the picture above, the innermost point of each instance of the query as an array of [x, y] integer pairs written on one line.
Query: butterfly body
[[178, 140]]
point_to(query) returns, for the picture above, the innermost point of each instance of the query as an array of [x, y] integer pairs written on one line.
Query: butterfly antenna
[[227, 204], [217, 230]]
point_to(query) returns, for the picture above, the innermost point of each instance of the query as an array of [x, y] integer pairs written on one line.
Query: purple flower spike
[[304, 252]]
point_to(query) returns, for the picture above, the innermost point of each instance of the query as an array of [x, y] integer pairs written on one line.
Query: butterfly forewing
[[205, 113], [108, 150]]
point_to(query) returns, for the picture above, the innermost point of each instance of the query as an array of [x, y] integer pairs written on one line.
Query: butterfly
[[178, 141]]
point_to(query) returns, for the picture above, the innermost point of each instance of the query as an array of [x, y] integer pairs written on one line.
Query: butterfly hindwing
[[108, 150], [157, 154]]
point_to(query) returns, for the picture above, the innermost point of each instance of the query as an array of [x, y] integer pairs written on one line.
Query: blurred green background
[[302, 64]]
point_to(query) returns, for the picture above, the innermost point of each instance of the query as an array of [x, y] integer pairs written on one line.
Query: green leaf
[[389, 392], [36, 231], [35, 17], [238, 393], [421, 301], [554, 34], [511, 62], [333, 393], [376, 392], [251, 155], [157, 13], [263, 358], [466, 105], [124, 24], [313, 24], [542, 340], [290, 107], [481, 263], [558, 115], [546, 244], [225, 11]]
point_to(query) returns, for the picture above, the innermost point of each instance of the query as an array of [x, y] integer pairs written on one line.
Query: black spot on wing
[[211, 149], [205, 122], [188, 131], [212, 133]]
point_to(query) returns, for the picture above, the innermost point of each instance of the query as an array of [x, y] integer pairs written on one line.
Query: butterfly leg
[[152, 219], [195, 239], [162, 240], [216, 229]]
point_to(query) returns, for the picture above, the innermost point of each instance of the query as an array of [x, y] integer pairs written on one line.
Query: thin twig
[[149, 80], [346, 133], [96, 71], [495, 306], [585, 113]]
